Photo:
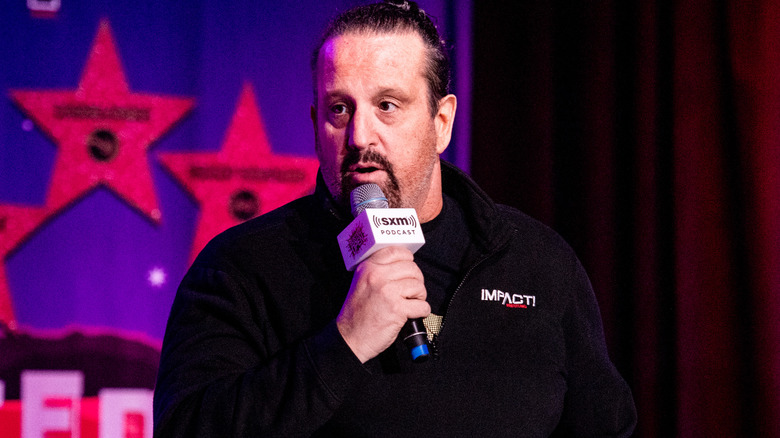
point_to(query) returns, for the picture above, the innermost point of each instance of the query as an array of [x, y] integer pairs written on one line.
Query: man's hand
[[386, 291]]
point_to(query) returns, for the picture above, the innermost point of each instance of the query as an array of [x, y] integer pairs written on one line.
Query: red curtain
[[648, 135]]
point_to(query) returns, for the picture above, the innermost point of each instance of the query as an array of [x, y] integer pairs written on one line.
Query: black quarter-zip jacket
[[252, 349]]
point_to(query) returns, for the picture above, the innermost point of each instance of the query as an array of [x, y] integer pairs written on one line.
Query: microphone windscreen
[[367, 196]]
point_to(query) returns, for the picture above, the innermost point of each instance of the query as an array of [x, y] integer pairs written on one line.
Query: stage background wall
[[93, 247]]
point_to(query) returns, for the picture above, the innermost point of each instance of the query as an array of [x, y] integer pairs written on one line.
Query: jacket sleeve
[[598, 401], [222, 373]]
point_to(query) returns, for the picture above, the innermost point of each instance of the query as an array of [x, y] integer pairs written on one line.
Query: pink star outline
[[102, 131], [245, 166]]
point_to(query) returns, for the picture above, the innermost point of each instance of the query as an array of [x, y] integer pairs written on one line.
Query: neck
[[432, 205]]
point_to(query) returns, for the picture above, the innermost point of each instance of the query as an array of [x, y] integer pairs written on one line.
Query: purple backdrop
[[89, 264]]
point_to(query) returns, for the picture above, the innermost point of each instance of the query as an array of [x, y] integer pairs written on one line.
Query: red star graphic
[[244, 179], [17, 223], [103, 131]]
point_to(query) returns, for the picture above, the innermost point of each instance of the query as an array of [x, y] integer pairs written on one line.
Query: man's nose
[[362, 130]]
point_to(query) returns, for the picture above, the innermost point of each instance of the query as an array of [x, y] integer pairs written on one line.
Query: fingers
[[393, 265], [417, 309], [387, 289], [399, 280], [391, 254]]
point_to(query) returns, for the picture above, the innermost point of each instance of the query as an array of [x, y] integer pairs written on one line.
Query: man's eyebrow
[[335, 94], [393, 91], [397, 92]]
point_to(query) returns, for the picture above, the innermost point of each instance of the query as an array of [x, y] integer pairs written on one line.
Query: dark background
[[646, 133]]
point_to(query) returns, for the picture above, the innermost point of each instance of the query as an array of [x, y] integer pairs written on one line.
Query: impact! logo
[[517, 301]]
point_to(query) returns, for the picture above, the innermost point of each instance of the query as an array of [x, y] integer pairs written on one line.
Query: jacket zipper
[[435, 340]]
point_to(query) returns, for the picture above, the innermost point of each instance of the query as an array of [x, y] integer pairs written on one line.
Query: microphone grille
[[367, 196]]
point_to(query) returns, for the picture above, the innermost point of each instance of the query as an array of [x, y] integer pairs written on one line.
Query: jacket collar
[[324, 199], [489, 229]]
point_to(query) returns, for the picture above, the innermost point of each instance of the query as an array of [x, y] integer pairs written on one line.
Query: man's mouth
[[363, 169]]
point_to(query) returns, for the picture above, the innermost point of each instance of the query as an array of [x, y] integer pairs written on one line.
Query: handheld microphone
[[377, 226]]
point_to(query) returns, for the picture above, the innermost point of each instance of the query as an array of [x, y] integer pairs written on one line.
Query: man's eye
[[338, 109], [388, 106]]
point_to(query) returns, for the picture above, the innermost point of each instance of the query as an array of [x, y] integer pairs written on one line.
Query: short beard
[[390, 187]]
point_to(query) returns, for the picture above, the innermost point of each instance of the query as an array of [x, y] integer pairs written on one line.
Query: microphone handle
[[415, 338]]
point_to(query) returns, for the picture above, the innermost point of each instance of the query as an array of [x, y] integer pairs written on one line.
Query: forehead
[[399, 55]]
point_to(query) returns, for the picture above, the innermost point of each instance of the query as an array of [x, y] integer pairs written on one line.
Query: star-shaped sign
[[17, 223], [244, 179], [102, 130]]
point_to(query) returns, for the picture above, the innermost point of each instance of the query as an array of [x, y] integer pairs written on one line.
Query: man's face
[[372, 121]]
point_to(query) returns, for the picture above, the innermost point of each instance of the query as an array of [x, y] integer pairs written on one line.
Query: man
[[270, 335]]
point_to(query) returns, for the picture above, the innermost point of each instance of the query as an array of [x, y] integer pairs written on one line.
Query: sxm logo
[[394, 221], [509, 299]]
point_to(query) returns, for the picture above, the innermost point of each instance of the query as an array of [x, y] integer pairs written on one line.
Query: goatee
[[389, 187]]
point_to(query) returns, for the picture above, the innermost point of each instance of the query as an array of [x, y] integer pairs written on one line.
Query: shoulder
[[541, 250], [261, 237], [532, 233]]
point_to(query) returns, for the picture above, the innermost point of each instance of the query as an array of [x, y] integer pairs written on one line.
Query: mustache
[[390, 188], [365, 156]]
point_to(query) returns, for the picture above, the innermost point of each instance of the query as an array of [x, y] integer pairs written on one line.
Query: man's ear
[[443, 121], [313, 115]]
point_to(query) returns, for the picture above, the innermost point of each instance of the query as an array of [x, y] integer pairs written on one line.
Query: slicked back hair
[[394, 17]]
